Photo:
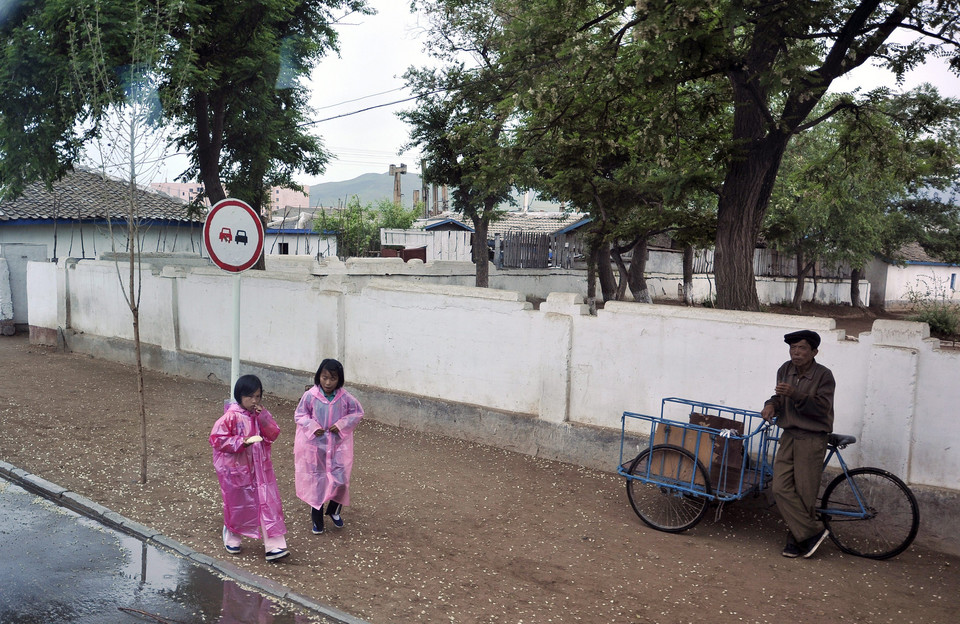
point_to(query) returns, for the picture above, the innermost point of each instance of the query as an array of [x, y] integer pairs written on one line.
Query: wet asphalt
[[62, 566]]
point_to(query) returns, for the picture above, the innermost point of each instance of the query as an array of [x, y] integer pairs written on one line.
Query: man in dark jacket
[[803, 405]]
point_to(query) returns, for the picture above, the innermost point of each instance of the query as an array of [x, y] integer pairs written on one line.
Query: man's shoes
[[791, 550], [810, 545], [316, 516], [233, 550], [337, 520], [277, 553]]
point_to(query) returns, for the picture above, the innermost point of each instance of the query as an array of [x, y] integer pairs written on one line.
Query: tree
[[230, 74], [597, 155], [461, 122], [840, 180], [358, 226], [776, 60], [127, 138]]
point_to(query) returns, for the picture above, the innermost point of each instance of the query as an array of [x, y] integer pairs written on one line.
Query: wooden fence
[[772, 263], [526, 250], [441, 245]]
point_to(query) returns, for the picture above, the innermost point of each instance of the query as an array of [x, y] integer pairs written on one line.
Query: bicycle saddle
[[841, 441]]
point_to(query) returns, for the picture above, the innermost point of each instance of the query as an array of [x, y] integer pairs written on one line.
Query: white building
[[85, 214], [897, 285]]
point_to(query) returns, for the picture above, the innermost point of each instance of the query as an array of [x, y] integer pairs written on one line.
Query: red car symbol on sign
[[226, 235]]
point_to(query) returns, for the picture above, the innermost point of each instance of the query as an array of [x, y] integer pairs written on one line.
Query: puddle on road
[[208, 596], [64, 567]]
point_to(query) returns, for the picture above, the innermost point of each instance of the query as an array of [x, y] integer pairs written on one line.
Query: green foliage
[[230, 78], [395, 217], [928, 298], [358, 226], [845, 185], [664, 99]]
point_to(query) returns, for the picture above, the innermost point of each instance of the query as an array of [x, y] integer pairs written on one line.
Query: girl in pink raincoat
[[241, 441], [323, 448]]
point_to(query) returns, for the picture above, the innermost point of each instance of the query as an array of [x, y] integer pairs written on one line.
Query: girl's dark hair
[[333, 366], [247, 385]]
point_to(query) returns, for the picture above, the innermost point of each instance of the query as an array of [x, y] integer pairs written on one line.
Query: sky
[[376, 50]]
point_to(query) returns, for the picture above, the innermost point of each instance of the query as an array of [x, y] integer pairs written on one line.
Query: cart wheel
[[667, 488], [891, 517]]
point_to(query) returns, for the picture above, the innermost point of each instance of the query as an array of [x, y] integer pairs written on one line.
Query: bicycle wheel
[[891, 517], [662, 505]]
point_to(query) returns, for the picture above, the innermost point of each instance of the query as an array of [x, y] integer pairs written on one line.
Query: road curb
[[85, 506]]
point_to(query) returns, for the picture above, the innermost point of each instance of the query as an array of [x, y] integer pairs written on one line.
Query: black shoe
[[811, 544], [316, 515], [791, 549]]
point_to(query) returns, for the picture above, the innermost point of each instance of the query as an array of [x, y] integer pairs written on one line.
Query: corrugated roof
[[435, 224], [914, 252], [86, 195]]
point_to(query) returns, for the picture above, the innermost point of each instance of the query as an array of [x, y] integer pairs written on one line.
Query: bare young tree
[[128, 141]]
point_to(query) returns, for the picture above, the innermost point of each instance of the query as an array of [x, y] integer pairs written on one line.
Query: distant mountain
[[369, 187], [372, 187]]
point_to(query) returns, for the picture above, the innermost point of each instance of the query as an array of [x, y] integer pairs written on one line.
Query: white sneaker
[[233, 550]]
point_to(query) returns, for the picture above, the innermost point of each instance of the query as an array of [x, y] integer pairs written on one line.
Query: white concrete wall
[[6, 295], [44, 294], [897, 390]]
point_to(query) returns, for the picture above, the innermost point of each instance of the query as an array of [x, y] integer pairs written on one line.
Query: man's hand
[[784, 389], [768, 412]]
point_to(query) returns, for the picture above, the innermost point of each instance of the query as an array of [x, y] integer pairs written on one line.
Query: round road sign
[[233, 235]]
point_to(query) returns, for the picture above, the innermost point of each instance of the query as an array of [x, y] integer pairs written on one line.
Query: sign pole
[[235, 362], [233, 236]]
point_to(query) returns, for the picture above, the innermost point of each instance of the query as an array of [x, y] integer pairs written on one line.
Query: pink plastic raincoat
[[247, 482], [324, 462]]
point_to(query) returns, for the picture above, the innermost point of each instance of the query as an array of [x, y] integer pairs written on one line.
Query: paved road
[[59, 566]]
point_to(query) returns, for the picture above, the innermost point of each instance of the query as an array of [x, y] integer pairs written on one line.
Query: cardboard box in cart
[[671, 466], [726, 459]]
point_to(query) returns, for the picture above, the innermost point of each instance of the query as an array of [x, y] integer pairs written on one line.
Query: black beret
[[812, 337]]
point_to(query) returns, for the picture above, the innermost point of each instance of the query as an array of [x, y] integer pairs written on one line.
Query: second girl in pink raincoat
[[323, 447]]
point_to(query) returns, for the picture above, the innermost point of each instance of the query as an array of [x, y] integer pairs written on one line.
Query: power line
[[369, 108], [364, 97]]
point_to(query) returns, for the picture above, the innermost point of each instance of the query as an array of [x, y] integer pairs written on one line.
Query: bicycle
[[870, 512]]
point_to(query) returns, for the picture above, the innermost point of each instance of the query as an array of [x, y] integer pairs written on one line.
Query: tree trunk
[[622, 269], [142, 395], [209, 143], [855, 301], [798, 288], [688, 275], [481, 256], [592, 254], [745, 194], [608, 283], [636, 276]]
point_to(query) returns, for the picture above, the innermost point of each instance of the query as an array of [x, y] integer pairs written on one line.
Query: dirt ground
[[441, 530]]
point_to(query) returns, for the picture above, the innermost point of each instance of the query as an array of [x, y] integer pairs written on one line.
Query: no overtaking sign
[[233, 235]]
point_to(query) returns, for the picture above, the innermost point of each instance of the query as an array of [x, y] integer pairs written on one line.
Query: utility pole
[[396, 172], [423, 190]]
